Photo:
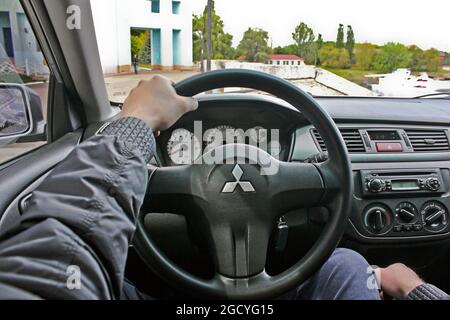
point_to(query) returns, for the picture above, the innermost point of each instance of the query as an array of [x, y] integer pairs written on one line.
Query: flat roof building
[[169, 24]]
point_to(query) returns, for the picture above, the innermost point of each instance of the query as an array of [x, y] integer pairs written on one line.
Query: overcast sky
[[422, 22]]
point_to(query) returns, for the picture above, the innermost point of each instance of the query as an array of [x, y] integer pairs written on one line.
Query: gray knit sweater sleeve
[[134, 133], [427, 292]]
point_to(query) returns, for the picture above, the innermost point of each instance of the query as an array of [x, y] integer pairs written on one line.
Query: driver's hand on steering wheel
[[156, 102]]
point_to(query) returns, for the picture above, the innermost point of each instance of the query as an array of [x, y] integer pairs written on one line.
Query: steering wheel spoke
[[333, 185], [296, 185], [173, 189], [238, 288], [239, 247]]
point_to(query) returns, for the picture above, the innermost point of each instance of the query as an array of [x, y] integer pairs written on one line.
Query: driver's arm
[[80, 220], [400, 282]]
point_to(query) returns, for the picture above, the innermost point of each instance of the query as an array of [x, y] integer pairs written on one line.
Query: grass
[[442, 74], [357, 76], [144, 65], [14, 78]]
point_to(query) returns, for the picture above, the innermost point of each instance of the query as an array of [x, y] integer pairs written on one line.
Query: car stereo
[[398, 182]]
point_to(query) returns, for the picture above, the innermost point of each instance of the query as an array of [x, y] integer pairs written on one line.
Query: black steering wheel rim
[[337, 168]]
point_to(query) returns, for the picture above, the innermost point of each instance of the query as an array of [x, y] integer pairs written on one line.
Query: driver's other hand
[[398, 280], [156, 102]]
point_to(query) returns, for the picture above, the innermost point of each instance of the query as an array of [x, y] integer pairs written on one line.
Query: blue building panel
[[176, 40], [156, 46]]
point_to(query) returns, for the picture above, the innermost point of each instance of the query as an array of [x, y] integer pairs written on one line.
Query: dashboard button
[[398, 228], [408, 228], [389, 147]]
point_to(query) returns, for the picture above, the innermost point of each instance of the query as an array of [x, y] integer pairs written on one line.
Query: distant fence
[[32, 66], [303, 72]]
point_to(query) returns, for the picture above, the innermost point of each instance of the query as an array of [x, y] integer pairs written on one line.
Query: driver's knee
[[346, 262], [345, 276]]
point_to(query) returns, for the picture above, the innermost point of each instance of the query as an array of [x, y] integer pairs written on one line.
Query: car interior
[[370, 174]]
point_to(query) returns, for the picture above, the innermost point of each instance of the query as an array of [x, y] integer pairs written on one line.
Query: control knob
[[433, 184], [378, 219], [435, 216], [406, 212], [376, 185]]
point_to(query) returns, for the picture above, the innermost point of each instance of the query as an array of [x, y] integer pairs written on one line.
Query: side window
[[24, 79]]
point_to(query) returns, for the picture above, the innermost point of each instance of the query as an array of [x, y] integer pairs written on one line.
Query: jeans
[[345, 276]]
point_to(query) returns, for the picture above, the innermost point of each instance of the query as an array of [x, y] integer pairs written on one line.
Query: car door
[[44, 115]]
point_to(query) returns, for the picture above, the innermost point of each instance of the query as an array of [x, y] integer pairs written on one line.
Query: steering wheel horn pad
[[236, 200]]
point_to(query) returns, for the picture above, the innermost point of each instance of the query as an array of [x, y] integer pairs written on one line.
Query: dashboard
[[399, 149]]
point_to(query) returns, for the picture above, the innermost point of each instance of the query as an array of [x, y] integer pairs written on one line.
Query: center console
[[405, 203]]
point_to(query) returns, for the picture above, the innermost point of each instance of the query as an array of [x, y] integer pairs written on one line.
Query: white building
[[19, 49], [170, 23], [285, 60]]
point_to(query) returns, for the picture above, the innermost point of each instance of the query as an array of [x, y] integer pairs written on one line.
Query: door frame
[[8, 39]]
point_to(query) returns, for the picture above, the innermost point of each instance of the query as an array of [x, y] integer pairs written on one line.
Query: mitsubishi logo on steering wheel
[[246, 186]]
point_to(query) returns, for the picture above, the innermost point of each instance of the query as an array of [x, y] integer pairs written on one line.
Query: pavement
[[119, 86]]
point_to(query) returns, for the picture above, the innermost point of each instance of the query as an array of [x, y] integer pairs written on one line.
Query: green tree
[[138, 40], [222, 42], [304, 39], [417, 62], [254, 45], [289, 49], [392, 56], [340, 37], [424, 60], [319, 41], [433, 60], [199, 37], [319, 45], [365, 54], [333, 57], [350, 44], [447, 58]]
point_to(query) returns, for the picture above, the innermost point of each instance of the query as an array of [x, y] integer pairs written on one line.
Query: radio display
[[384, 135], [405, 185]]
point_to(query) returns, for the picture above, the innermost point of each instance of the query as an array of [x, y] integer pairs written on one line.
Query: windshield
[[338, 48]]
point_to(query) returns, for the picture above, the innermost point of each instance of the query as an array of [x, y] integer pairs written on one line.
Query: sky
[[425, 23]]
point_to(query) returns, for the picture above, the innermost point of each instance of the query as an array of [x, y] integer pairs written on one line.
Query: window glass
[[346, 50], [24, 79], [176, 7], [155, 6]]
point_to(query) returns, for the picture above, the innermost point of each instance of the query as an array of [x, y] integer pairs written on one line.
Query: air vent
[[428, 140], [352, 139]]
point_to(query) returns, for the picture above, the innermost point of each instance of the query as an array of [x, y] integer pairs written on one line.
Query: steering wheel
[[236, 204]]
